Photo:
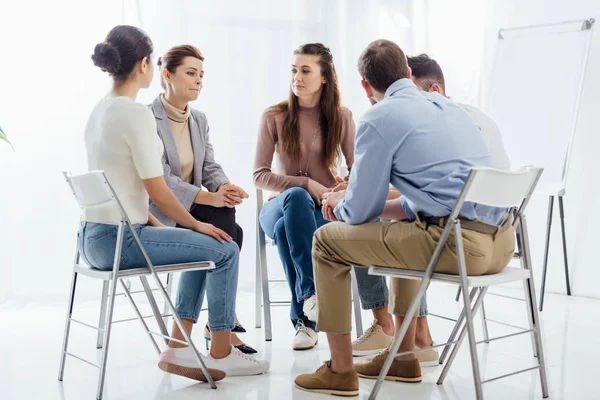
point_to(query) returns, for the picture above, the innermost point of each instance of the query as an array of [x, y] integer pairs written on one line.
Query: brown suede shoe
[[400, 371], [325, 381]]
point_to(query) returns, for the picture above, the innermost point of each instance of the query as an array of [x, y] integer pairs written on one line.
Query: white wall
[[49, 85], [583, 194]]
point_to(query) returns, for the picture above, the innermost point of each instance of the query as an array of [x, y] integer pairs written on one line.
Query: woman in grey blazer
[[188, 160]]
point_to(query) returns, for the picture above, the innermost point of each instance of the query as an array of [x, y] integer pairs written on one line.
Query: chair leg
[[139, 315], [266, 301], [546, 250], [356, 302], [63, 354], [458, 294], [457, 326], [561, 211], [461, 337], [105, 344], [111, 308], [401, 332], [462, 269], [172, 309], [531, 321], [102, 317], [152, 302], [484, 326], [257, 286], [169, 289], [532, 304], [529, 312], [265, 285]]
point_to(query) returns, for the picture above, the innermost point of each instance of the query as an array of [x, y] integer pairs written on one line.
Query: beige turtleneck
[[180, 128]]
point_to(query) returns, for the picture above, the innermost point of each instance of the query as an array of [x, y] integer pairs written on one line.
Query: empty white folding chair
[[93, 189], [494, 188], [263, 281]]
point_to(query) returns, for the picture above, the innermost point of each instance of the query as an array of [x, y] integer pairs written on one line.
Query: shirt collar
[[400, 84]]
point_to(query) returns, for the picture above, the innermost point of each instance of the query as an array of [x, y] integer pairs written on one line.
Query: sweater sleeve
[[265, 149]]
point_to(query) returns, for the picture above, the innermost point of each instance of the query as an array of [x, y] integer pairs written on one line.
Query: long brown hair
[[329, 105]]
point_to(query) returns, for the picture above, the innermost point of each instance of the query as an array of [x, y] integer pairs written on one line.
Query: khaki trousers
[[409, 245]]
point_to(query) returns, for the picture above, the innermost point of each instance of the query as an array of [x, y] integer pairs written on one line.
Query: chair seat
[[92, 272], [508, 274]]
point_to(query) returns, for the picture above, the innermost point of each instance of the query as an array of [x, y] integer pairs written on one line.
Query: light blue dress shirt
[[424, 145]]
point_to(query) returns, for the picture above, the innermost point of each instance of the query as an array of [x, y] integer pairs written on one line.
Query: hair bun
[[107, 58]]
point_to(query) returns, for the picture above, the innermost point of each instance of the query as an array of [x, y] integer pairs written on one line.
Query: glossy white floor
[[31, 333]]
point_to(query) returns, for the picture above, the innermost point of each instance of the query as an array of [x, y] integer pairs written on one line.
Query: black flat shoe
[[238, 328], [244, 348]]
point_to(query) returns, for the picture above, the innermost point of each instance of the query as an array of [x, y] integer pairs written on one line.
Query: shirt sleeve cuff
[[407, 210], [337, 211]]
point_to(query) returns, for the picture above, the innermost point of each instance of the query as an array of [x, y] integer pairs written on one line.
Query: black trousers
[[223, 218]]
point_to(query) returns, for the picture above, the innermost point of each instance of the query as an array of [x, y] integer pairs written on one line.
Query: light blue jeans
[[97, 243], [373, 291]]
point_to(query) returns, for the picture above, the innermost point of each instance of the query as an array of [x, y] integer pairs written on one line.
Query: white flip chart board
[[534, 92]]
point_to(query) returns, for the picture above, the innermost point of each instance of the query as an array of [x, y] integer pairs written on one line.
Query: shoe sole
[[393, 378], [342, 393], [429, 363], [192, 373], [362, 353], [243, 372], [305, 348]]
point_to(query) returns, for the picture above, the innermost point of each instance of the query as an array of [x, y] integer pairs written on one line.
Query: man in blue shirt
[[424, 145], [428, 76]]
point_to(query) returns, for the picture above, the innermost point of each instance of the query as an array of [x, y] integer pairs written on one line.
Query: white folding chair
[[494, 188], [263, 281], [93, 189]]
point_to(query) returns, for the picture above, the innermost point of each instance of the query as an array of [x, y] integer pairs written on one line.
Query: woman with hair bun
[[121, 140]]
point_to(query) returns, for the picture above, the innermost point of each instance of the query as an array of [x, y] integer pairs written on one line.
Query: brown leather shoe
[[325, 381], [400, 371]]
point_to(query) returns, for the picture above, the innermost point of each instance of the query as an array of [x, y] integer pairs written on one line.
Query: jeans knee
[[297, 195], [231, 253], [279, 230]]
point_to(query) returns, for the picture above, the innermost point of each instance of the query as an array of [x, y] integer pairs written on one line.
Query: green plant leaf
[[4, 137]]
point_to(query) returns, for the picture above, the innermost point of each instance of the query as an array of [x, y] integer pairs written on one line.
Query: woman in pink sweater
[[306, 135]]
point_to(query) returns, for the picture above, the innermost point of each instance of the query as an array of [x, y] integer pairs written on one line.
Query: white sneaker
[[240, 364], [306, 338], [310, 308], [182, 361]]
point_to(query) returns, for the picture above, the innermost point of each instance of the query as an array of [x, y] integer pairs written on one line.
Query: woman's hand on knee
[[211, 230]]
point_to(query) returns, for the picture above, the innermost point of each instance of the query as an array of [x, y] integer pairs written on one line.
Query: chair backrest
[[498, 188], [93, 189]]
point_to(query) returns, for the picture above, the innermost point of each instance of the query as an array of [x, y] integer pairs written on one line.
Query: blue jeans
[[291, 219], [97, 243], [373, 291]]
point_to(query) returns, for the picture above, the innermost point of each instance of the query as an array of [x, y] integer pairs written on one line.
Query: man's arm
[[368, 186], [393, 210]]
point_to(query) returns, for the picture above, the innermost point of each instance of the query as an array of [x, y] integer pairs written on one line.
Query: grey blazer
[[206, 171]]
